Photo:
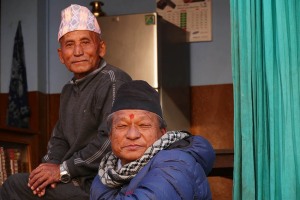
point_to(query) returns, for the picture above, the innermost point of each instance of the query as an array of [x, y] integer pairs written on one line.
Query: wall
[[11, 12], [210, 61]]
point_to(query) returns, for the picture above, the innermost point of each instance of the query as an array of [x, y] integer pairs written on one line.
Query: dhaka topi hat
[[76, 17], [137, 94]]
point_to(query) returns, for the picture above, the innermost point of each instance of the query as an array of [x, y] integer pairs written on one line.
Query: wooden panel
[[223, 165], [212, 118], [49, 106], [212, 114], [34, 110], [221, 188], [3, 108], [54, 110]]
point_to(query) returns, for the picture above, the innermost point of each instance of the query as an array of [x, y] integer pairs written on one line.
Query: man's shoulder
[[191, 146], [115, 74], [115, 70], [176, 154]]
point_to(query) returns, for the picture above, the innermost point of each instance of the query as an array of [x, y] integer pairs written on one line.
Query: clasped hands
[[42, 176]]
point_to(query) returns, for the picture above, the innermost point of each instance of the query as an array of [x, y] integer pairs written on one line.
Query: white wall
[[210, 61], [11, 12]]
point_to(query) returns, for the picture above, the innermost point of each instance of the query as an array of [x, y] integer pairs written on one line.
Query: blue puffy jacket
[[178, 172]]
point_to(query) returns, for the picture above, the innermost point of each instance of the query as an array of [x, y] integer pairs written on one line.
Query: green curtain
[[266, 80]]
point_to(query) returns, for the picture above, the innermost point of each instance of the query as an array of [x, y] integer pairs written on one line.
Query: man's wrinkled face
[[81, 52], [133, 131]]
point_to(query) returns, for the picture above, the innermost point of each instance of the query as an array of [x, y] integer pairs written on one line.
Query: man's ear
[[102, 51], [60, 55], [163, 131]]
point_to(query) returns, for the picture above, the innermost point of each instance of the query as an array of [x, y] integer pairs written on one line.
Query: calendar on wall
[[194, 16]]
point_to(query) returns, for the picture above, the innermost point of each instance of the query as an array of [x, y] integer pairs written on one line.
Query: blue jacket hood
[[199, 148]]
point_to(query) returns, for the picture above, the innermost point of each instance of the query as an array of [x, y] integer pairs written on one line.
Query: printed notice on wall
[[194, 16]]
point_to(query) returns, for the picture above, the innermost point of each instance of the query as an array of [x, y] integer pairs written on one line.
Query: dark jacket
[[178, 172]]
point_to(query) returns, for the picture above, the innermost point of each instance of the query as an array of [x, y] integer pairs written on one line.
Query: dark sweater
[[80, 137]]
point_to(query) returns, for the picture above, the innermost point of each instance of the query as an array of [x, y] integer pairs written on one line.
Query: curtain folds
[[266, 78]]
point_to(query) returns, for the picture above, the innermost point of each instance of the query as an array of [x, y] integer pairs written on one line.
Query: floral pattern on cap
[[76, 17]]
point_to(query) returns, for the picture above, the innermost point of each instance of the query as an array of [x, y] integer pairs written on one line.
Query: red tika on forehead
[[131, 116]]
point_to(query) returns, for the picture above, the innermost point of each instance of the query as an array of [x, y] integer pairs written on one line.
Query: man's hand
[[41, 193], [42, 176]]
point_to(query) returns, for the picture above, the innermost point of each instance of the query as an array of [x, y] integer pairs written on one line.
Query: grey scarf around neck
[[111, 176]]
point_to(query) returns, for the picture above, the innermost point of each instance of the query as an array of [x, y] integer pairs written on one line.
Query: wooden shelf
[[223, 165], [25, 138]]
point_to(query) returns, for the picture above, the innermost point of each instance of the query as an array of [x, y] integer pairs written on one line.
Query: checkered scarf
[[111, 176]]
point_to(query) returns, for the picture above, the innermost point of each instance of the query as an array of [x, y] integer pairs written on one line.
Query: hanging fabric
[[18, 110], [266, 79]]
